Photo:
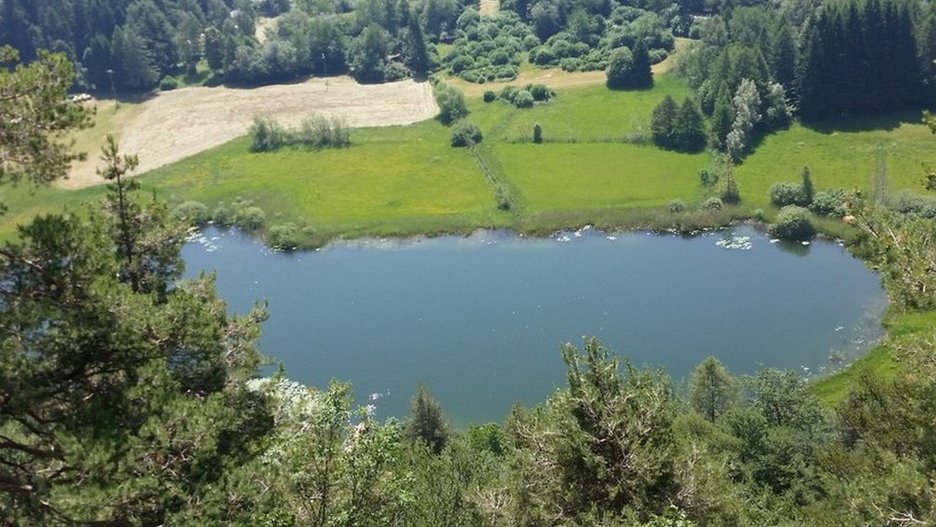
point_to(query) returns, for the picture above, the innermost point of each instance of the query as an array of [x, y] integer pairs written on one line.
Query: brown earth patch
[[180, 123]]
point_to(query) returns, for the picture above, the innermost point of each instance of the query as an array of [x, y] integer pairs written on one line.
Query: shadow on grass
[[865, 123]]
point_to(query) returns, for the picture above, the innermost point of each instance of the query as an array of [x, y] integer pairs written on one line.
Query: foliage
[[629, 70], [712, 203], [451, 102], [783, 194], [168, 84], [488, 48], [746, 110], [831, 203], [730, 192], [34, 109], [191, 213], [426, 422], [678, 128], [249, 218], [490, 96], [537, 133], [315, 132], [465, 134], [901, 248], [712, 390], [523, 99], [793, 223], [112, 376], [283, 237], [675, 206]]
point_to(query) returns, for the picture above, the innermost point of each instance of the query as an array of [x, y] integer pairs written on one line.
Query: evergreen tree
[[417, 56], [722, 119], [426, 422], [134, 68], [689, 127], [663, 122], [712, 391], [806, 189]]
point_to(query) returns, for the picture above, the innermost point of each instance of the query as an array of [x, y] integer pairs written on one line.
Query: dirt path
[[181, 123]]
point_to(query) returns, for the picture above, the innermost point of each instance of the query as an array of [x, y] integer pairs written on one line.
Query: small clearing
[[489, 7], [556, 78], [180, 123]]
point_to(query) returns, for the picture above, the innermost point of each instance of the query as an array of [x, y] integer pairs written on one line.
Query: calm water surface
[[479, 320]]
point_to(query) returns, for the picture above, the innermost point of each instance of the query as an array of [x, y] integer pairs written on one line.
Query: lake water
[[479, 319]]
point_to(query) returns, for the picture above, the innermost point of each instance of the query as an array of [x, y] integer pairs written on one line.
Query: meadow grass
[[841, 156]]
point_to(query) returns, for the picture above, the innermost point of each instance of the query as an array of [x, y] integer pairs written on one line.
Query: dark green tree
[[689, 127], [426, 423], [34, 112], [134, 67], [628, 71], [663, 123], [722, 119]]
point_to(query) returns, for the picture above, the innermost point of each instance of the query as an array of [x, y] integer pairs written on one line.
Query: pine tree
[[689, 127], [662, 123], [722, 118], [426, 422], [712, 391]]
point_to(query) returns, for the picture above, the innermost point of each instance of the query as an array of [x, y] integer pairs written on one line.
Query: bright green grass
[[846, 158], [882, 360], [397, 180], [554, 177], [580, 114]]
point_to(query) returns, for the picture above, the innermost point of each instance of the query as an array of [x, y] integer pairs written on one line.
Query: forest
[[131, 397]]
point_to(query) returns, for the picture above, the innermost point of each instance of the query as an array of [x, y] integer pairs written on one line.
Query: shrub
[[675, 206], [783, 194], [222, 215], [713, 203], [829, 203], [793, 223], [283, 237], [266, 135], [509, 93], [537, 133], [708, 177], [906, 202], [451, 103], [249, 218], [628, 70], [168, 84], [759, 215], [317, 131], [465, 134], [539, 92], [523, 99], [191, 212], [489, 96]]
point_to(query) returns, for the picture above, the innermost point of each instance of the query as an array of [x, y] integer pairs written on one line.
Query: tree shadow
[[864, 123]]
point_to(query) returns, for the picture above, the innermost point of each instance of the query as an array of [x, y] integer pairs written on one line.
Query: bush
[[783, 194], [523, 99], [713, 203], [451, 103], [628, 70], [317, 131], [249, 218], [465, 134], [283, 237], [539, 92], [509, 93], [907, 202], [266, 135], [793, 223], [222, 215], [489, 96], [675, 206], [168, 84], [191, 212], [708, 177], [730, 192], [829, 203], [537, 133]]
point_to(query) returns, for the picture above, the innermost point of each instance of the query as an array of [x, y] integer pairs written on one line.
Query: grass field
[[845, 156]]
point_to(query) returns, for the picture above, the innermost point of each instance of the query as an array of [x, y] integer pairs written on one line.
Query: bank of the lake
[[479, 319]]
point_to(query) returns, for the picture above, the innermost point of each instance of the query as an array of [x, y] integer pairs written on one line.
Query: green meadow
[[406, 180]]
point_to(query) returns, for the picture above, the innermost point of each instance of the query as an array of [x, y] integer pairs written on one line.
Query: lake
[[479, 319]]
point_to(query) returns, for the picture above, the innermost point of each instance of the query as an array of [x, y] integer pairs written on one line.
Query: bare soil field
[[180, 123]]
